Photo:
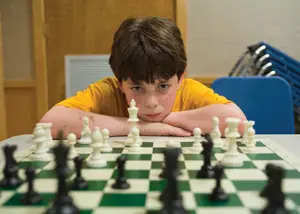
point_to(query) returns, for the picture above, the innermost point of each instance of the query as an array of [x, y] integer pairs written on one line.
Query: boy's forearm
[[202, 117], [70, 118]]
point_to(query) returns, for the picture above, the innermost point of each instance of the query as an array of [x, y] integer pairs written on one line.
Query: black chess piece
[[218, 193], [206, 170], [172, 200], [121, 182], [79, 182], [11, 169], [63, 203], [31, 197], [273, 191]]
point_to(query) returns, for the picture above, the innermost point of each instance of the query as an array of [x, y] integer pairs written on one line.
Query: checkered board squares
[[243, 184]]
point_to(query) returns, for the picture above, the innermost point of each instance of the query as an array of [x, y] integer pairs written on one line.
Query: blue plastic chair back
[[266, 100]]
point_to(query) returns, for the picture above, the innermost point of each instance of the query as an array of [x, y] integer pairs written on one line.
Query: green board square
[[157, 211], [196, 157], [147, 144], [84, 156], [11, 188], [93, 185], [294, 197], [33, 164], [86, 212], [16, 200], [258, 144], [260, 211], [292, 174], [78, 145], [203, 200], [138, 156], [193, 174], [217, 150], [249, 185], [115, 150], [246, 165], [161, 184], [144, 174], [186, 144], [51, 174], [158, 150], [123, 200], [270, 156]]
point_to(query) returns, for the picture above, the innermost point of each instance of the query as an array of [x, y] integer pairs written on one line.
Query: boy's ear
[[180, 81]]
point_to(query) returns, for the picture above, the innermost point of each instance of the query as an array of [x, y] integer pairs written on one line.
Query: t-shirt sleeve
[[198, 95], [86, 100]]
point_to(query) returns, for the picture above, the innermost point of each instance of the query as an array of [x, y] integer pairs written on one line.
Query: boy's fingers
[[180, 132]]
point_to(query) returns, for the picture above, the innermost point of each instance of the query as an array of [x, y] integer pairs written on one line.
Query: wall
[[219, 31]]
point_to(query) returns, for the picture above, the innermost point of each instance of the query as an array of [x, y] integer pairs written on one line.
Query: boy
[[148, 60]]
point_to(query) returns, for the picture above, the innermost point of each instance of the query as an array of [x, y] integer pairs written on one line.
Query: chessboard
[[242, 184]]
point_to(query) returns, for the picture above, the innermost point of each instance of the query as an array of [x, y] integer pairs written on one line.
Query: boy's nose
[[151, 102]]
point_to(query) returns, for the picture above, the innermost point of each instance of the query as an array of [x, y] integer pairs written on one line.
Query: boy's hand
[[158, 129]]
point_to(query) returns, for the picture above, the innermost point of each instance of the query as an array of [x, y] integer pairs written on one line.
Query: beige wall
[[17, 39], [219, 31]]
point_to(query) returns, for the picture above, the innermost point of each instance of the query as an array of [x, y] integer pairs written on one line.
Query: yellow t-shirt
[[105, 97]]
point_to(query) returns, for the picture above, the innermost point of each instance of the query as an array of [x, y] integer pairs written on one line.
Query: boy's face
[[154, 101]]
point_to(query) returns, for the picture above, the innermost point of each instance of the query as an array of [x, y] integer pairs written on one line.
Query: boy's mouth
[[152, 115]]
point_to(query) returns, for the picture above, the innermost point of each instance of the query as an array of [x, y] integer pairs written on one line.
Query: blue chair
[[266, 100]]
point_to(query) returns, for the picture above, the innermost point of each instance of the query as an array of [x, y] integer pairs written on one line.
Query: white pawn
[[215, 133], [197, 146], [171, 144], [71, 139], [232, 157], [86, 132], [251, 144], [135, 146], [106, 147], [40, 154], [47, 127], [95, 159], [133, 119], [245, 135]]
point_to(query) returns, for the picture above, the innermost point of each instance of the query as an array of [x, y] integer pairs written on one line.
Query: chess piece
[[105, 146], [11, 177], [135, 145], [245, 135], [206, 170], [218, 193], [31, 197], [273, 191], [197, 146], [41, 140], [121, 182], [79, 183], [71, 142], [86, 132], [37, 127], [226, 141], [232, 157], [171, 197], [95, 159], [63, 203], [133, 119], [251, 141], [47, 127], [215, 133]]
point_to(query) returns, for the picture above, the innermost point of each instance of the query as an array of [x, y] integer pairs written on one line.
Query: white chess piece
[[86, 132], [171, 144], [71, 139], [245, 135], [133, 119], [197, 146], [232, 157], [135, 146], [215, 133], [251, 144], [36, 128], [226, 141], [105, 146], [48, 127], [40, 154], [95, 159]]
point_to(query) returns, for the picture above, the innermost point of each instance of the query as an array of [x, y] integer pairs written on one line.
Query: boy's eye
[[163, 86], [137, 88]]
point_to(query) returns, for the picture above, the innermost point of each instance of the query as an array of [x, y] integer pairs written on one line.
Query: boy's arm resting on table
[[202, 117], [71, 118]]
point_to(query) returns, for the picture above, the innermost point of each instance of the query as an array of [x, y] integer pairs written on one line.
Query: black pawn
[[121, 182], [206, 170], [218, 193], [11, 170], [79, 183], [31, 197]]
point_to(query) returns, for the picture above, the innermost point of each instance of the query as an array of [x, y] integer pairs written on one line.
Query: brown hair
[[145, 49]]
